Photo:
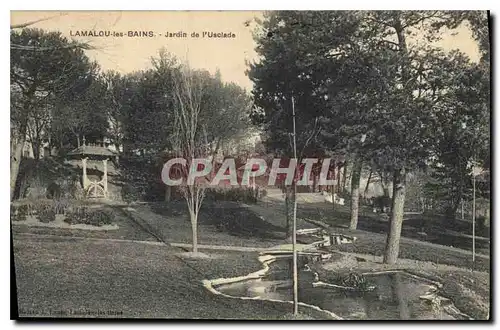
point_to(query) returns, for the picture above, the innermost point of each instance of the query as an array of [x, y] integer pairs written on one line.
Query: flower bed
[[61, 214]]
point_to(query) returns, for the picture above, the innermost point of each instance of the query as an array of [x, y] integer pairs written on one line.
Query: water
[[396, 295]]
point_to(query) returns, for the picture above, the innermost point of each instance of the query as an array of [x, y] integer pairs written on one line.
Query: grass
[[375, 223], [59, 275], [258, 225], [374, 244], [217, 225], [138, 280]]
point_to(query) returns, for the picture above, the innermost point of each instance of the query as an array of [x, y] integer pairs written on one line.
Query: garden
[[62, 214]]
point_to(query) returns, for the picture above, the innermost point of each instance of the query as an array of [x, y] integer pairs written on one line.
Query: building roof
[[92, 151]]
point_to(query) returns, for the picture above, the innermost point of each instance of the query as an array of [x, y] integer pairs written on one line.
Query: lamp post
[[294, 226], [475, 172]]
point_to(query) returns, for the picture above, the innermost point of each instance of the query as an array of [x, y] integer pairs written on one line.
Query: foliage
[[381, 203], [239, 194], [88, 216], [18, 212], [46, 215], [39, 79], [60, 206], [352, 280], [363, 73], [77, 115]]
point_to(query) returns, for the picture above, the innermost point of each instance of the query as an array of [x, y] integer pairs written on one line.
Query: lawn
[[69, 278], [436, 230], [63, 274], [218, 224], [374, 244]]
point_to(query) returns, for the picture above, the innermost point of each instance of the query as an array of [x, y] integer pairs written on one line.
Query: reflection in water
[[396, 295]]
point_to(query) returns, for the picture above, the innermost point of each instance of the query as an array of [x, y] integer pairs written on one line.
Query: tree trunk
[[356, 176], [368, 183], [168, 193], [486, 222], [333, 196], [339, 188], [194, 229], [15, 160], [451, 211], [344, 176], [35, 145], [396, 219], [214, 157]]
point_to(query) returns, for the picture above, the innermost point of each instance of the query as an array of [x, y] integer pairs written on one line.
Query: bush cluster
[[240, 194], [18, 212], [45, 211], [87, 216]]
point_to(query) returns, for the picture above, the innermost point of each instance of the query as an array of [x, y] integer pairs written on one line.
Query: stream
[[395, 295]]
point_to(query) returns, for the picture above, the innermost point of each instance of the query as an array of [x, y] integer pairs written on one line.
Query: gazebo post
[[105, 177]]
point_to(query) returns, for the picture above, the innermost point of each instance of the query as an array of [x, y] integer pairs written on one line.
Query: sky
[[229, 55]]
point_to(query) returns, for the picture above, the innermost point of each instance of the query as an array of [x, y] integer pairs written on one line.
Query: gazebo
[[94, 188]]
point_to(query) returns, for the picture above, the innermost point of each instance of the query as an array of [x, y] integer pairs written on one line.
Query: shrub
[[240, 194], [99, 218], [54, 191], [353, 280], [60, 206], [41, 206], [132, 192], [84, 215], [18, 212], [262, 193], [46, 215], [381, 202], [70, 219]]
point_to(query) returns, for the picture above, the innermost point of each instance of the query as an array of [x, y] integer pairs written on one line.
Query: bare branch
[[75, 45], [420, 19], [23, 25]]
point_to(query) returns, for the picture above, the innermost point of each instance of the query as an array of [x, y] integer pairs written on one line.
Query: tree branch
[[23, 25]]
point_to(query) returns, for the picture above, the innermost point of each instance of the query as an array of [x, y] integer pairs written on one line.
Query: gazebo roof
[[92, 151]]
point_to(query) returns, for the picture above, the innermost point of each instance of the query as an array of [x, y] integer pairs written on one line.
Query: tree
[[42, 65], [360, 74], [189, 88], [38, 130], [116, 90], [79, 111], [295, 50], [417, 96], [225, 116], [464, 138]]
